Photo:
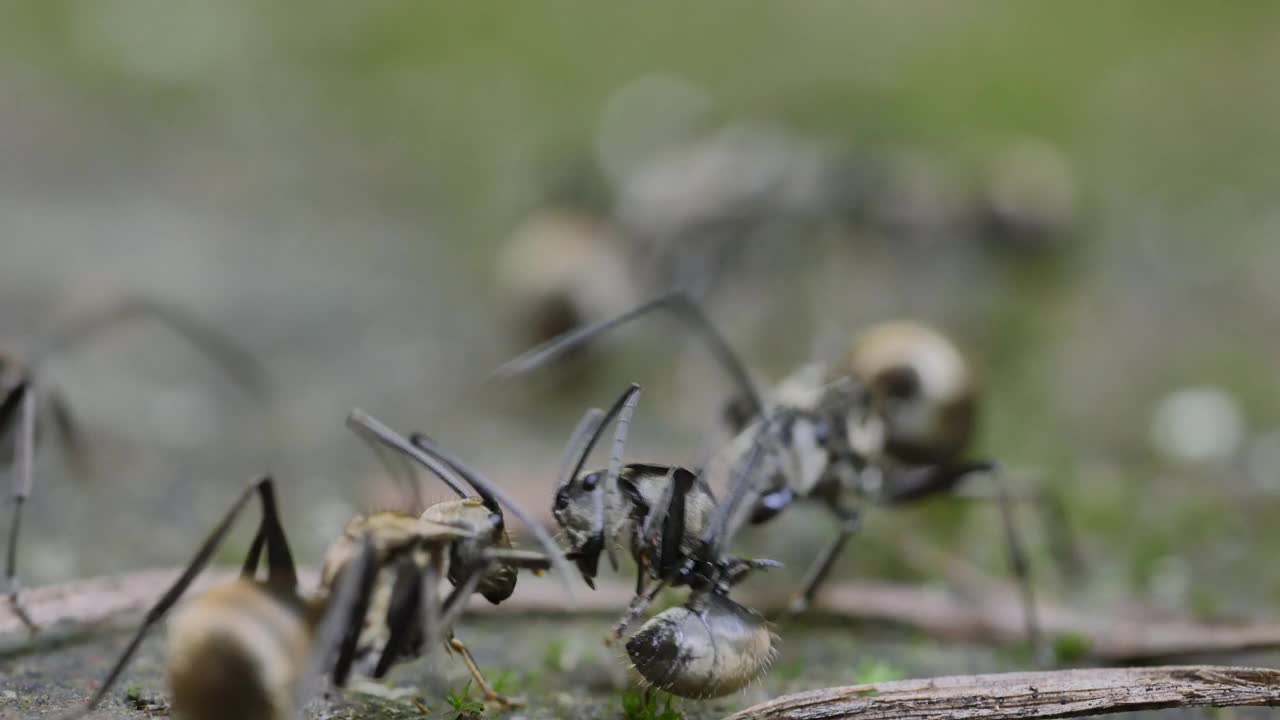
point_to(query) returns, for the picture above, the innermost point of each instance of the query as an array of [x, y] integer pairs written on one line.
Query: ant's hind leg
[[821, 568]]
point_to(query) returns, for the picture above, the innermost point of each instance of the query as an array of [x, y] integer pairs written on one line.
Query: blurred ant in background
[[29, 402], [693, 207]]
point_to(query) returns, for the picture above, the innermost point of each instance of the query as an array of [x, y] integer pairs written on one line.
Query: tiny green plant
[[638, 705], [461, 701], [872, 671], [502, 682], [140, 699], [553, 657], [1071, 647]]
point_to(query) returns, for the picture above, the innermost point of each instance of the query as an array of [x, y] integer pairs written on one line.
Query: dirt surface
[[559, 667]]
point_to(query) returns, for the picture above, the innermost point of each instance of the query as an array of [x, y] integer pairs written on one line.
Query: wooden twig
[[996, 618], [1027, 695]]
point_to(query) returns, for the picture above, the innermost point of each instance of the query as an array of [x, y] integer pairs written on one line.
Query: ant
[[891, 426]]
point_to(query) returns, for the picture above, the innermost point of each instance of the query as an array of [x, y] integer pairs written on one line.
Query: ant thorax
[[797, 453], [650, 484], [467, 513], [394, 533], [802, 389], [815, 416], [807, 438]]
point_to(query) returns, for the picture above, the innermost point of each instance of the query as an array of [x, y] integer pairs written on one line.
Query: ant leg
[[680, 304], [403, 617], [485, 689], [671, 556], [68, 431], [638, 605], [1063, 544], [452, 609], [363, 577], [905, 485], [18, 418], [237, 363], [345, 610], [457, 600], [743, 568], [431, 575], [519, 558], [742, 493], [1020, 566], [821, 568], [658, 510], [261, 487], [281, 572]]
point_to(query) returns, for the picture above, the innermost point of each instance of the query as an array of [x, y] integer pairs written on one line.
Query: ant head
[[922, 386], [575, 510]]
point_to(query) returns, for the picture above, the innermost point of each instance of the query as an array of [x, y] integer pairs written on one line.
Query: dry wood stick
[[1053, 694], [1103, 637]]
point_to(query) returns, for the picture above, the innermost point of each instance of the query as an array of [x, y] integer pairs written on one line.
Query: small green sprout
[[502, 682], [872, 671], [553, 657], [462, 702], [1070, 647], [638, 705]]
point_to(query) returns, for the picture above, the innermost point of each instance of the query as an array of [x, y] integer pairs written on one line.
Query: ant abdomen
[[237, 651], [708, 648]]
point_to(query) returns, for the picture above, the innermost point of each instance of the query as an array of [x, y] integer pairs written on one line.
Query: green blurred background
[[331, 182]]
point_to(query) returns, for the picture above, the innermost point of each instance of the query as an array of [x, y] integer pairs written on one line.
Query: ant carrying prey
[[889, 425]]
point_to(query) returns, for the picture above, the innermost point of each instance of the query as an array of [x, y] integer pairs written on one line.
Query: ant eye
[[562, 500], [590, 482], [902, 384]]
